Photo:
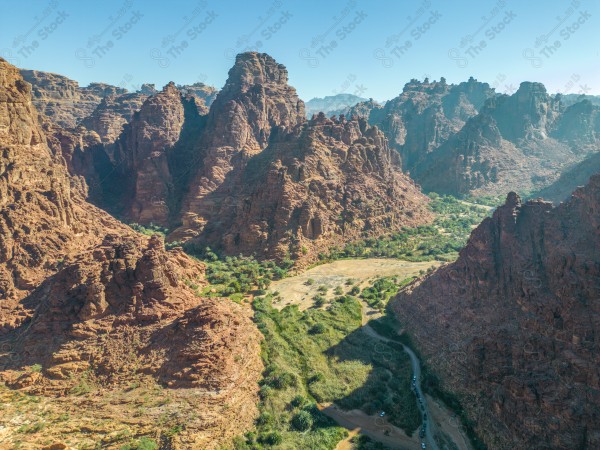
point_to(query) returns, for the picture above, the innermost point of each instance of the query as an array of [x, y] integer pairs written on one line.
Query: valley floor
[[300, 289], [343, 274]]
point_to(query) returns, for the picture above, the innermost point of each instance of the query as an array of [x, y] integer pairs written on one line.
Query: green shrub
[[318, 328], [319, 300], [271, 438], [298, 401], [302, 421]]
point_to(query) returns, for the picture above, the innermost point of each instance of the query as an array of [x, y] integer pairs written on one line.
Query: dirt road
[[297, 290]]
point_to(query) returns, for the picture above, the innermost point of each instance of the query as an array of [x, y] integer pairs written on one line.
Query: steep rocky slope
[[324, 183], [511, 326], [426, 114], [255, 99], [112, 113], [44, 218], [523, 141], [89, 308], [62, 99], [121, 321], [141, 155], [571, 179], [272, 184]]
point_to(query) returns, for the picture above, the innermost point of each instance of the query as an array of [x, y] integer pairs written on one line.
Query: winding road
[[297, 290], [416, 366]]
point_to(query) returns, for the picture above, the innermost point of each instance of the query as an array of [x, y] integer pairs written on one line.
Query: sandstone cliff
[[426, 114], [511, 326], [62, 99], [121, 320], [325, 183], [87, 307], [255, 99], [522, 141]]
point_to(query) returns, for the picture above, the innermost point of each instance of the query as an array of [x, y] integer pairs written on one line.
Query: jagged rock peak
[[252, 68]]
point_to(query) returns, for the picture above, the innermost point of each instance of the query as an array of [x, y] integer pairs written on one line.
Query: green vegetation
[[235, 276], [149, 230], [439, 241], [141, 444], [378, 294], [320, 356]]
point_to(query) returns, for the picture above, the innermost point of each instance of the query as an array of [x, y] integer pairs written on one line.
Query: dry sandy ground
[[296, 291], [373, 426]]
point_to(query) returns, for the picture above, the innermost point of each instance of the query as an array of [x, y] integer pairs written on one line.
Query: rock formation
[[111, 115], [325, 183], [255, 100], [511, 326], [426, 114], [62, 99], [523, 141], [85, 301], [42, 208], [124, 314]]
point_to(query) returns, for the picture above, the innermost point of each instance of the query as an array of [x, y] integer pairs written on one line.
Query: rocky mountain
[[522, 141], [571, 179], [272, 184], [62, 99], [426, 114], [571, 99], [511, 326], [255, 100], [324, 183], [44, 218], [112, 114], [88, 306], [332, 104]]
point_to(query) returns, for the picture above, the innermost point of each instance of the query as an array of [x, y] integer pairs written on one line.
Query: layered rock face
[[511, 326], [426, 114], [95, 305], [62, 100], [522, 141], [255, 100], [124, 313], [325, 183], [44, 218], [112, 114], [142, 154]]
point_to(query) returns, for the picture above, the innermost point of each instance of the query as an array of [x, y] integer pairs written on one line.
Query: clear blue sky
[[366, 47]]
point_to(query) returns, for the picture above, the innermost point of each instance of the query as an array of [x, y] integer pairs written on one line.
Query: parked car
[[382, 413]]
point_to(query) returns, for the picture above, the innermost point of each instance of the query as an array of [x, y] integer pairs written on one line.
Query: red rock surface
[[519, 142], [255, 99], [91, 301], [62, 99], [326, 183], [511, 326]]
